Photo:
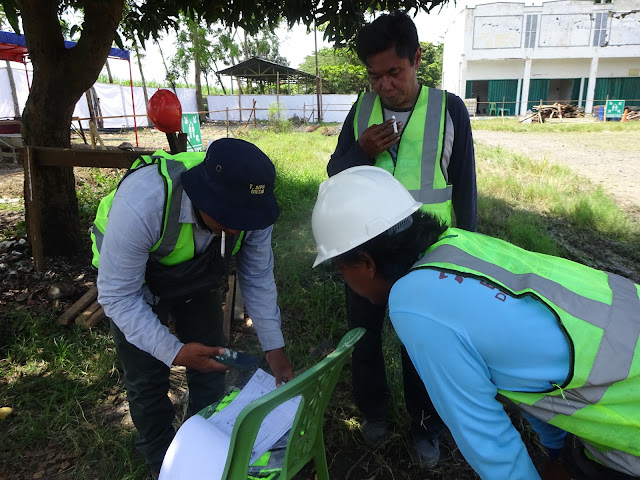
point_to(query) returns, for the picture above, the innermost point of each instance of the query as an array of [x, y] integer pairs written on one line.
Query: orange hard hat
[[165, 111]]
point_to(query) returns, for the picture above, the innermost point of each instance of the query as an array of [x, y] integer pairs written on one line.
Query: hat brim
[[221, 203]]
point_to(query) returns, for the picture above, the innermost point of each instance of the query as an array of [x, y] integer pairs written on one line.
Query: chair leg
[[320, 459]]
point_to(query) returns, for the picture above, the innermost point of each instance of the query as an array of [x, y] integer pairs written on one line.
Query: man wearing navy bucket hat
[[174, 223]]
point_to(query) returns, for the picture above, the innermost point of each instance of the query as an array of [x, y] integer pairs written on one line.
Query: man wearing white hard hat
[[484, 320]]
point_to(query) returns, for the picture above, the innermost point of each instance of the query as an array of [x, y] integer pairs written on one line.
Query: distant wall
[[115, 101], [334, 107]]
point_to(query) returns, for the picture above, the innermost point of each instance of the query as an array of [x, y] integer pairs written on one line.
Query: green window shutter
[[469, 89], [507, 89], [575, 91], [538, 90], [627, 89], [630, 90]]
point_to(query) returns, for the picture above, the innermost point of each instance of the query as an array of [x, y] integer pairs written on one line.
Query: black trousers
[[198, 319], [370, 387]]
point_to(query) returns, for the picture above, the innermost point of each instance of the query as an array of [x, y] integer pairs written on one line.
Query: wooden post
[[255, 119], [33, 207], [91, 119], [304, 113], [35, 157], [604, 113], [502, 111], [278, 93], [227, 121]]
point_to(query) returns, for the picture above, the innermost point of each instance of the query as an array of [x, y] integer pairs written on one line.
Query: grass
[[101, 181], [517, 194], [514, 125], [65, 383], [58, 384]]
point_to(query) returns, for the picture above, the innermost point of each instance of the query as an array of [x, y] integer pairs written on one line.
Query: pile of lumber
[[557, 110], [86, 312], [633, 115]]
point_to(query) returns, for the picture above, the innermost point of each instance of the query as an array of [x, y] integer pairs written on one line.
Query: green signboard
[[614, 109], [191, 126]]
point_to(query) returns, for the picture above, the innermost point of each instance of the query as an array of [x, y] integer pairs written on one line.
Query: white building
[[579, 51]]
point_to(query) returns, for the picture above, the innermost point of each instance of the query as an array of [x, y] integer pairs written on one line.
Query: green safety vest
[[598, 312], [176, 244], [420, 149]]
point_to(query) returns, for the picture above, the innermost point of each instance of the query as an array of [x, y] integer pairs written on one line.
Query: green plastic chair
[[507, 111], [306, 441], [492, 108]]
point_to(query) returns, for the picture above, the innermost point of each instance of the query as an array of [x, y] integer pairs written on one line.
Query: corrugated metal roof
[[260, 69]]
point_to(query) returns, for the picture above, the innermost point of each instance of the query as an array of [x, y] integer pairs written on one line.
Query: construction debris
[[557, 110], [632, 115]]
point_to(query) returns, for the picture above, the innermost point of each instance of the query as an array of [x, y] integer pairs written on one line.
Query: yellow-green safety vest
[[598, 312], [420, 149], [176, 240]]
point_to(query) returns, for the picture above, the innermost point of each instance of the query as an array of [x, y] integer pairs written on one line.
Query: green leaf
[[12, 13]]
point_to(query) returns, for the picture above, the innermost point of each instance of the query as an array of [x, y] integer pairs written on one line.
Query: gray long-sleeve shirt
[[134, 227]]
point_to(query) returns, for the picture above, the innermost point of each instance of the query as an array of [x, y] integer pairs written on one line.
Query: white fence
[[117, 108], [334, 107]]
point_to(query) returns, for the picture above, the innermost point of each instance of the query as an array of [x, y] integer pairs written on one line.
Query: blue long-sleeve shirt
[[467, 340], [134, 226], [458, 159]]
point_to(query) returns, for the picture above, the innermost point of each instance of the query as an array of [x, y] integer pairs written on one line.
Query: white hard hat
[[355, 206]]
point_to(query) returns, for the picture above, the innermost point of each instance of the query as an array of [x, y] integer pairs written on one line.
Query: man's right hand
[[378, 138], [198, 356]]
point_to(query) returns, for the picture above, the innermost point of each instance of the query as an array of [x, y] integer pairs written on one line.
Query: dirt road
[[609, 159]]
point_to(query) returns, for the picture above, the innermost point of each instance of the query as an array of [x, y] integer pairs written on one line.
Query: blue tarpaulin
[[13, 47]]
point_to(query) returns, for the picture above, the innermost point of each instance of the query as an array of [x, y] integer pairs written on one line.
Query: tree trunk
[[166, 69], [195, 37], [106, 64], [224, 90], [60, 77]]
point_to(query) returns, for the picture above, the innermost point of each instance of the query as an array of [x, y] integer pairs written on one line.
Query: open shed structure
[[268, 75]]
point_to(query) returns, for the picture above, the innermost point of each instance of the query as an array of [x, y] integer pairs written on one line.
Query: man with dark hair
[[162, 242], [486, 322], [423, 137]]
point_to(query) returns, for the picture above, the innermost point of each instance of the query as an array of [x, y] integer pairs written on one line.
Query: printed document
[[200, 447]]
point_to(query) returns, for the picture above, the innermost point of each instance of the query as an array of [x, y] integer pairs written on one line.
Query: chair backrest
[[305, 438]]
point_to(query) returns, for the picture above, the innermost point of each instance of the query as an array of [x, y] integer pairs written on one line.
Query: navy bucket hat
[[234, 185]]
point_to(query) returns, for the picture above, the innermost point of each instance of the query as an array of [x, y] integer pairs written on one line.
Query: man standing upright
[[422, 136]]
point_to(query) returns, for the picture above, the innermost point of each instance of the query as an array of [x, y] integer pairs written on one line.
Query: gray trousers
[[198, 319]]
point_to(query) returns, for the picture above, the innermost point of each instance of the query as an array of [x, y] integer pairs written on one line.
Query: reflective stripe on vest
[[420, 149], [598, 311], [171, 226]]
